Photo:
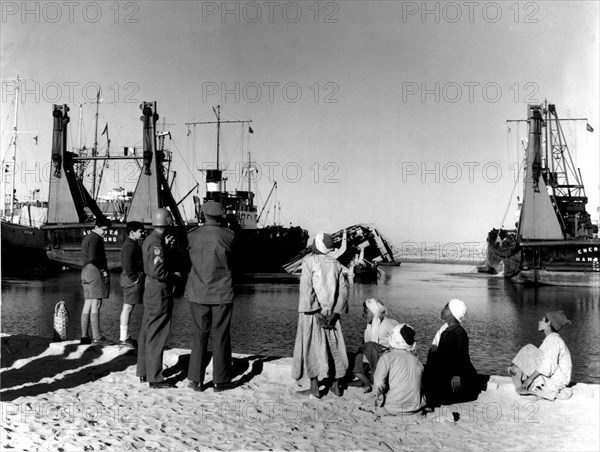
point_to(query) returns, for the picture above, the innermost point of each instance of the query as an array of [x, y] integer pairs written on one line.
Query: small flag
[[105, 129], [250, 130], [35, 138], [589, 128]]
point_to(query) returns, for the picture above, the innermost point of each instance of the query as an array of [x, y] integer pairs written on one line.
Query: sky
[[387, 113]]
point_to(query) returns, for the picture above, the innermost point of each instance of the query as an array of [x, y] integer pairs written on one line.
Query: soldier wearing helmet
[[158, 301]]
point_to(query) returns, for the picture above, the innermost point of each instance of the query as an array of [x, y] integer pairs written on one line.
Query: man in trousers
[[158, 301], [210, 292]]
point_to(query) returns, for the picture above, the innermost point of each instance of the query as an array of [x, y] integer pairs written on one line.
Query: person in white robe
[[546, 371], [320, 350]]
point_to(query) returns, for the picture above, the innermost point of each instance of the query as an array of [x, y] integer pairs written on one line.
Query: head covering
[[557, 319], [458, 309], [212, 209], [378, 310], [323, 243], [376, 307], [402, 337]]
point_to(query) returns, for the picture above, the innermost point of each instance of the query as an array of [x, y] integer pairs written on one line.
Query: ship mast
[[218, 122], [14, 152], [95, 150]]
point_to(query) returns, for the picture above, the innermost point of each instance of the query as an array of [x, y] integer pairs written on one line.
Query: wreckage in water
[[360, 248]]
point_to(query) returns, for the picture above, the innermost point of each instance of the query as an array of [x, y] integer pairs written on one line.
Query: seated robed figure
[[397, 379], [546, 371], [449, 375], [377, 332]]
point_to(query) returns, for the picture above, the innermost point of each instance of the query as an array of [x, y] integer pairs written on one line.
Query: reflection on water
[[502, 316]]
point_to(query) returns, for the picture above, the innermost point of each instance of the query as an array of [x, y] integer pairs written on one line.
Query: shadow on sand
[[33, 373]]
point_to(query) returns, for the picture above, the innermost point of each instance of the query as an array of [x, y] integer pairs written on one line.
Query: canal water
[[501, 318]]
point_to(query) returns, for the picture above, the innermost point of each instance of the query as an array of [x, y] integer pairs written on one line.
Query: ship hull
[[22, 245], [568, 263], [260, 250]]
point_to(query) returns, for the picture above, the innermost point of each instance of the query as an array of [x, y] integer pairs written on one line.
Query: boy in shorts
[[132, 278], [95, 281]]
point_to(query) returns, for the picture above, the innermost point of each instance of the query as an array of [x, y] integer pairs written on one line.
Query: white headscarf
[[320, 245], [458, 309], [397, 341], [378, 310]]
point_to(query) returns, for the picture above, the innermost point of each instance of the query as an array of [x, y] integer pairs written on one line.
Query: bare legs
[[91, 311], [124, 321]]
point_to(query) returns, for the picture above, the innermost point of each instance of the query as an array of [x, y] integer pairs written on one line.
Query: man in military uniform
[[210, 292], [158, 301]]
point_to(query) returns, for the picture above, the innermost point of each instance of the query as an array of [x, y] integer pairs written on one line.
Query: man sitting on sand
[[397, 378], [449, 375], [375, 343], [545, 372], [320, 351]]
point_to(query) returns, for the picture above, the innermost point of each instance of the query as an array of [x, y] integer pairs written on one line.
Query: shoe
[[102, 341], [220, 387], [196, 386], [161, 385], [129, 343], [143, 380], [85, 340]]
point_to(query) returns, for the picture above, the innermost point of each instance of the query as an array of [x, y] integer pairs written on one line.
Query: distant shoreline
[[437, 261]]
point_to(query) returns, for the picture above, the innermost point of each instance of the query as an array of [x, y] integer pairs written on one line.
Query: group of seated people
[[387, 364]]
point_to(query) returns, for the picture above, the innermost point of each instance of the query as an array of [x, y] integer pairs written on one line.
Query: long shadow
[[48, 366], [27, 347], [178, 372], [241, 365], [57, 365]]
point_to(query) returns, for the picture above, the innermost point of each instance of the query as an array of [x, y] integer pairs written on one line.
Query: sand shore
[[62, 396]]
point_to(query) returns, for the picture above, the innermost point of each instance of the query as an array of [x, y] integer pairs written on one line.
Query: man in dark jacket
[[158, 301], [449, 376], [210, 292]]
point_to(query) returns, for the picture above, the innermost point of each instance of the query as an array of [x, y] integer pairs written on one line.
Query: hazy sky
[[392, 113]]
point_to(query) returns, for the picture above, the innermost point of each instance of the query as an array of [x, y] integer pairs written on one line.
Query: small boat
[[555, 241]]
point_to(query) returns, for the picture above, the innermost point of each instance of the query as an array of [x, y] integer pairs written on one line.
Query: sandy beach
[[62, 396]]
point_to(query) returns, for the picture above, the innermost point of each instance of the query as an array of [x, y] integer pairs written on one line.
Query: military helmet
[[162, 217]]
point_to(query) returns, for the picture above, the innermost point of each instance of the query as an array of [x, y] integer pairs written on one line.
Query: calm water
[[502, 316]]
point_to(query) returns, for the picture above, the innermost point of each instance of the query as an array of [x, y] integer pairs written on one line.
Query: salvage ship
[[555, 241], [73, 210]]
